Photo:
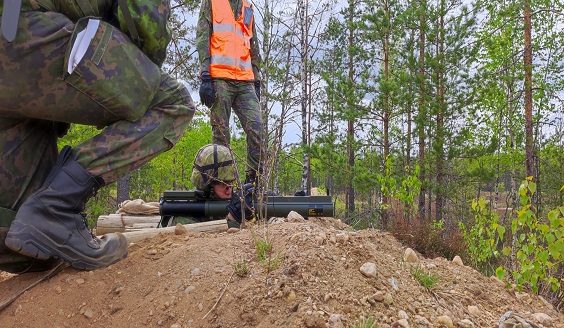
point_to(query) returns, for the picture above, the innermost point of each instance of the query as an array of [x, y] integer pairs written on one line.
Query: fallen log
[[121, 222], [209, 226]]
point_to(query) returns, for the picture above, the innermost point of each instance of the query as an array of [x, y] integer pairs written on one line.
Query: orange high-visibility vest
[[230, 43]]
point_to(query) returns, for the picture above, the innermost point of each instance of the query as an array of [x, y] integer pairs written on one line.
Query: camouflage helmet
[[213, 162]]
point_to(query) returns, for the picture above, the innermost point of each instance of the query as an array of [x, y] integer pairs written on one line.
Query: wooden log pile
[[138, 220]]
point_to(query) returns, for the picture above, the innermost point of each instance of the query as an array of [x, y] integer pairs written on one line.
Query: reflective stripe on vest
[[230, 43]]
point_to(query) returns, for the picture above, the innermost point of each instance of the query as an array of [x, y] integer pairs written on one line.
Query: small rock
[[290, 297], [402, 314], [388, 299], [465, 323], [368, 269], [321, 238], [196, 272], [335, 321], [180, 229], [511, 319], [410, 256], [403, 323], [394, 283], [445, 320], [88, 313], [542, 318], [189, 289], [342, 238], [378, 296], [295, 217], [276, 220], [421, 321], [474, 311], [457, 260]]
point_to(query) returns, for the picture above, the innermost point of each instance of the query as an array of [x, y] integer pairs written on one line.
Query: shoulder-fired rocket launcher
[[192, 204]]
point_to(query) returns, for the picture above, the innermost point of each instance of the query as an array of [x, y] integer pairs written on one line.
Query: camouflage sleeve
[[203, 35], [255, 53], [151, 20]]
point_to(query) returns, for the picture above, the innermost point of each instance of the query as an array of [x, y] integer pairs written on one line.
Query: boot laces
[[85, 220]]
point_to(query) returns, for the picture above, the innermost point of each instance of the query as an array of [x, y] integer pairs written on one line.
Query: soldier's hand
[[300, 193], [236, 208], [207, 92]]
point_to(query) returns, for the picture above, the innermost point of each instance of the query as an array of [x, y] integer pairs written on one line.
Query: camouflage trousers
[[142, 110], [241, 96]]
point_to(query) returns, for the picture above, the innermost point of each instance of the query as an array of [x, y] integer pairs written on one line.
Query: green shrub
[[427, 280], [538, 245]]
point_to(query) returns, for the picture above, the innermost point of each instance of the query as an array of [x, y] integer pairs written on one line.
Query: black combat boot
[[49, 225], [11, 261]]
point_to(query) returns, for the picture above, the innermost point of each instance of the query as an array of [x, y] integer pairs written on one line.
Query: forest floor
[[320, 280]]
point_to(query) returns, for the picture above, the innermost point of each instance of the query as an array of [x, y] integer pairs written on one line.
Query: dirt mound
[[190, 281]]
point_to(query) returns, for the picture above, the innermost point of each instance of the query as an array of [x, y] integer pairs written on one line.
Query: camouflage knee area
[[11, 261]]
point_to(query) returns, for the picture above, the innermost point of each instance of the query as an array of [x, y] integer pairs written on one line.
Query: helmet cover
[[213, 163]]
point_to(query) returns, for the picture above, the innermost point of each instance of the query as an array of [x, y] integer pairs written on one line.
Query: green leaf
[[550, 238], [501, 231], [500, 273], [532, 187], [543, 257], [556, 250], [553, 217]]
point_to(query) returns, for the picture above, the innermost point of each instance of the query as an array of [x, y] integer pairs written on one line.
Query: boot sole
[[28, 241]]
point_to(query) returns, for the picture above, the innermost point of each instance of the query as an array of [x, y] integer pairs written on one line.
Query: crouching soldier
[[87, 62]]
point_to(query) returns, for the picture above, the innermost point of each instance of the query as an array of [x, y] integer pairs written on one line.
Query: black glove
[[257, 89], [207, 92], [235, 205]]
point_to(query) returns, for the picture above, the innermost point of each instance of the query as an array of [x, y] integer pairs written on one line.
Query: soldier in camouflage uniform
[[118, 86], [231, 85], [214, 173]]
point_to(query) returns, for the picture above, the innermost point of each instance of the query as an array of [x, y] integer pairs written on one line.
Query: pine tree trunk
[[422, 111], [528, 66]]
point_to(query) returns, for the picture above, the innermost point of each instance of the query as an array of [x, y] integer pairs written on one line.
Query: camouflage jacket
[[204, 31], [149, 16]]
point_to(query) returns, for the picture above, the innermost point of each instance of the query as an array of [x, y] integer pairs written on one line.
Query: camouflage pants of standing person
[[240, 96], [142, 110]]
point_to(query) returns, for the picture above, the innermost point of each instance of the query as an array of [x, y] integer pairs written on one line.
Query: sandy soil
[[313, 279]]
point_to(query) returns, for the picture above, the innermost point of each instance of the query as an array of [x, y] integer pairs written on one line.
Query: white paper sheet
[[81, 43]]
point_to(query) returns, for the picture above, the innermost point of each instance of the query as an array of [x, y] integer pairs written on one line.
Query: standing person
[[73, 62], [229, 56]]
